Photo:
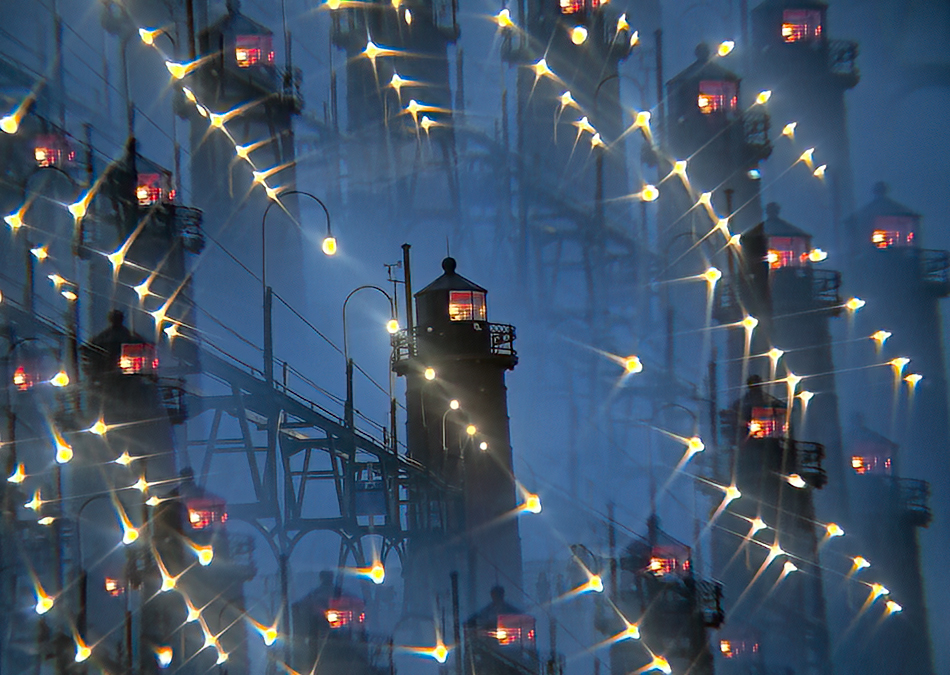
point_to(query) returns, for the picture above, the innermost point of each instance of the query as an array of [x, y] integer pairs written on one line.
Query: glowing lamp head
[[429, 374], [454, 404], [796, 481], [392, 326], [758, 524], [806, 396], [819, 171], [725, 48], [732, 493], [9, 124], [541, 68], [46, 520], [269, 634], [596, 584], [377, 574], [913, 379], [789, 567], [222, 655], [440, 653], [148, 36], [18, 475], [749, 322], [899, 362], [880, 337], [503, 19], [14, 220], [649, 193], [695, 444], [333, 4], [817, 255], [679, 167], [99, 428], [642, 119], [712, 275], [632, 632], [763, 97], [177, 70], [532, 504], [471, 430], [40, 253], [124, 459], [834, 530], [622, 23], [775, 354], [877, 590], [632, 364], [164, 656], [635, 39], [60, 379], [64, 453], [860, 563], [83, 652], [78, 209], [44, 603], [35, 503], [329, 246], [205, 555], [893, 607], [483, 446], [789, 129], [566, 99], [130, 535], [579, 35], [660, 663]]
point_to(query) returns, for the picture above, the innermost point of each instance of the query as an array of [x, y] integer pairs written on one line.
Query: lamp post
[[329, 248], [392, 326]]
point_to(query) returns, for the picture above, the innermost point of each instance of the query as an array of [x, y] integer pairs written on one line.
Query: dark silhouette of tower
[[400, 112], [776, 602], [238, 77], [808, 74], [723, 138], [886, 512], [903, 283], [802, 299], [454, 354], [671, 608]]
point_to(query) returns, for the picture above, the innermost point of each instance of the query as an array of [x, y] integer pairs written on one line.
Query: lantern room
[[451, 299], [787, 245], [704, 89], [717, 96], [514, 630], [768, 422], [790, 22], [254, 50], [153, 188], [52, 150], [871, 453], [345, 613], [885, 223], [573, 7], [206, 512], [801, 25]]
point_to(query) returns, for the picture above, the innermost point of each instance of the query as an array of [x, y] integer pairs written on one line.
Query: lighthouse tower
[[454, 362]]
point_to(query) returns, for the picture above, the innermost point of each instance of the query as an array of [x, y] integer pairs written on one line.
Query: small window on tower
[[767, 423], [515, 629], [138, 359], [893, 231], [787, 252], [254, 50], [467, 306], [801, 25], [577, 6], [716, 95], [152, 188], [871, 458]]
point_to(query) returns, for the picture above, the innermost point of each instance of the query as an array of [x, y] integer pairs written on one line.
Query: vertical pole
[[285, 603], [58, 64], [456, 626], [660, 102], [28, 288], [410, 317], [612, 547], [190, 18], [268, 337]]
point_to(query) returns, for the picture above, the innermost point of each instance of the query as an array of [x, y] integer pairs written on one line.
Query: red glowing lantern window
[[767, 423], [717, 95], [345, 611], [152, 188], [869, 458], [23, 379], [787, 252], [891, 231], [113, 587], [732, 649], [52, 150], [138, 359], [515, 629], [801, 25], [467, 306], [203, 513], [254, 50], [577, 6], [669, 560]]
